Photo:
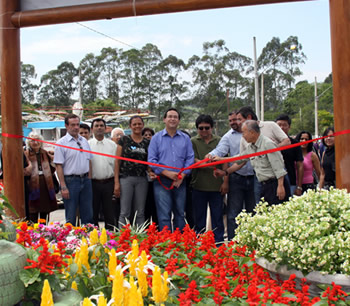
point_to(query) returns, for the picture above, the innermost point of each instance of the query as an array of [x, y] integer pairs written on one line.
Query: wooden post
[[11, 108], [340, 41]]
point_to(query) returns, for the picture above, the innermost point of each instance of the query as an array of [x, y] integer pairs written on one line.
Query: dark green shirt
[[203, 178]]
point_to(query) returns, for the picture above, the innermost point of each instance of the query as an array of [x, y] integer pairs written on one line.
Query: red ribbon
[[200, 164]]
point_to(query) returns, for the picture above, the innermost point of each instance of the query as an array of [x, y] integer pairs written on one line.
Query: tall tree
[[57, 86], [90, 71], [110, 72], [29, 89]]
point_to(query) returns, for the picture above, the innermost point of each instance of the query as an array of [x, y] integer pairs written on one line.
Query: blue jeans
[[80, 195], [170, 201], [241, 195], [257, 190], [200, 200]]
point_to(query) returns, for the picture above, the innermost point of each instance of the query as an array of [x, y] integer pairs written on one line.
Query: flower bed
[[308, 233], [151, 267]]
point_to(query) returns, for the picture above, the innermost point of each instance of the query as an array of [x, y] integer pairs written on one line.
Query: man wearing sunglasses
[[206, 188], [73, 170]]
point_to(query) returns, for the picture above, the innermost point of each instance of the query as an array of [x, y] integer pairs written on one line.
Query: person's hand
[[298, 191], [116, 191], [152, 175], [216, 158], [51, 154], [65, 193], [27, 171], [208, 156], [178, 181], [219, 173], [224, 188], [281, 193]]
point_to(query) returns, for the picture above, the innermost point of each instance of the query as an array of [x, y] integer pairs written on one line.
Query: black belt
[[240, 175], [269, 181], [78, 175], [104, 181]]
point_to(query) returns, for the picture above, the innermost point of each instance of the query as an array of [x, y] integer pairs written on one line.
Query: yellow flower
[[94, 237], [87, 302], [46, 295], [165, 287], [82, 256], [118, 288], [102, 301], [103, 237], [74, 285], [112, 264], [157, 285]]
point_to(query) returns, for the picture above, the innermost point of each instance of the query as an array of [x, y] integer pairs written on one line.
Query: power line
[[110, 37]]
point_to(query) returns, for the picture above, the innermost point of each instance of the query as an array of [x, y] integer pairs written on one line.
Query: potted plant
[[309, 236], [12, 258]]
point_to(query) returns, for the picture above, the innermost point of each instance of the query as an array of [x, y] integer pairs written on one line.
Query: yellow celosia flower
[[87, 302], [74, 285], [112, 264], [102, 301], [82, 257], [118, 289], [46, 295], [94, 237], [132, 257], [103, 237], [142, 281], [160, 287], [157, 285], [165, 287], [132, 294]]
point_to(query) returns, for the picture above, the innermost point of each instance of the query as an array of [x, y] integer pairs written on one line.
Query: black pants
[[269, 191], [102, 197]]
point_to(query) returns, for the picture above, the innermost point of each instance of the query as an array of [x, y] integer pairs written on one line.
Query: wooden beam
[[11, 108], [124, 8], [340, 42]]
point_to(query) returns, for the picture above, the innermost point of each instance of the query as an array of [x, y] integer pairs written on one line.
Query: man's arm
[[281, 193], [300, 175], [64, 189]]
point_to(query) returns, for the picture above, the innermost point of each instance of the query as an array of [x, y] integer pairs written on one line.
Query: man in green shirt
[[205, 187], [269, 168]]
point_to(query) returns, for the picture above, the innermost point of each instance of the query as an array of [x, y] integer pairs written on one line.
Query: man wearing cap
[[73, 170]]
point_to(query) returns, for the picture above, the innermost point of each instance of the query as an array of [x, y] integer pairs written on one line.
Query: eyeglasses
[[304, 139], [201, 128], [80, 147]]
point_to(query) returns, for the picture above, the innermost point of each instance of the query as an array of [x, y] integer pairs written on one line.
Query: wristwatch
[[64, 188], [299, 188]]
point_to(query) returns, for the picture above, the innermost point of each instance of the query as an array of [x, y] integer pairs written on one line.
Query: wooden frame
[[12, 19]]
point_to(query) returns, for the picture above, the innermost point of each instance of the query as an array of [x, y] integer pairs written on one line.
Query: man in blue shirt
[[73, 170], [170, 147]]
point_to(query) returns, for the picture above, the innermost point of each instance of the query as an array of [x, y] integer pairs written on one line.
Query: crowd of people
[[136, 178]]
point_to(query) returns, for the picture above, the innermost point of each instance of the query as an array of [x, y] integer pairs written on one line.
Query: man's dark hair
[[70, 116], [204, 119], [85, 126], [171, 109], [284, 117], [98, 120], [234, 112], [309, 145], [135, 117], [252, 125], [245, 111], [325, 133]]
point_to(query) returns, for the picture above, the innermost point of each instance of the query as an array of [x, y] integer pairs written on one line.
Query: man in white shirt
[[103, 171]]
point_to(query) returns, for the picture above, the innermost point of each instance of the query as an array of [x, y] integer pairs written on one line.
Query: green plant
[[4, 203], [308, 233]]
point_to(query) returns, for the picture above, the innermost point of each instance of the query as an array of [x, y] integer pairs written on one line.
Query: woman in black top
[[327, 178], [131, 181]]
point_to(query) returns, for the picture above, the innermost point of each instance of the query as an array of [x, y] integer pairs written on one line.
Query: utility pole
[[316, 109], [257, 104]]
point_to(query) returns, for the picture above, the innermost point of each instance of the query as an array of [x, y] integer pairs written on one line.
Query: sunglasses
[[201, 128], [80, 147]]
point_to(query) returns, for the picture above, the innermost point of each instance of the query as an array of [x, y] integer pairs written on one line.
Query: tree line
[[215, 82]]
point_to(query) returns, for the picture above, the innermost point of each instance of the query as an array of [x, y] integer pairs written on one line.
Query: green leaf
[[29, 276]]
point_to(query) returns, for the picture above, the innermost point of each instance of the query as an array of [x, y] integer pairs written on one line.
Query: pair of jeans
[[133, 194], [241, 195], [200, 200], [80, 195], [168, 202], [102, 198]]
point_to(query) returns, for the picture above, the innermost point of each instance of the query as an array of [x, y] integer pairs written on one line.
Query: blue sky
[[182, 34]]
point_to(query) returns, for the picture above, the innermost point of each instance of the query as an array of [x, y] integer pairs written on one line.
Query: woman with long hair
[[311, 161], [327, 179], [131, 177], [42, 195]]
